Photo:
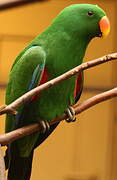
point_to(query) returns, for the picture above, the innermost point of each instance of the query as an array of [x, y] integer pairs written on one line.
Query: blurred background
[[86, 149]]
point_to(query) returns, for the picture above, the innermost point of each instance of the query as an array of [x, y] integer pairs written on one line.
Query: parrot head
[[86, 20]]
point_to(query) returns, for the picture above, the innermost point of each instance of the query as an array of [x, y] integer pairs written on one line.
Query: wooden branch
[[4, 4], [16, 134], [11, 108], [2, 166]]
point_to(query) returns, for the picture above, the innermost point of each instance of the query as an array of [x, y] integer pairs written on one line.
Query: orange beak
[[104, 26]]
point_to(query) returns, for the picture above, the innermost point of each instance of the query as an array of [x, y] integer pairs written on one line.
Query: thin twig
[[16, 134], [11, 108]]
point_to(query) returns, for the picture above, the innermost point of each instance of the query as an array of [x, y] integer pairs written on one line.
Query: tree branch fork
[[11, 108]]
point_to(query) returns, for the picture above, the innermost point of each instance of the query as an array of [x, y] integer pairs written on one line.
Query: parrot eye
[[90, 13]]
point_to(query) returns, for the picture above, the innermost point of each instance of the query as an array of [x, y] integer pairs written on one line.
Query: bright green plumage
[[59, 48]]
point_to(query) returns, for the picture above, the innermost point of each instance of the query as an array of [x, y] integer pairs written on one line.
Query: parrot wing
[[30, 72], [38, 75], [25, 75], [35, 81]]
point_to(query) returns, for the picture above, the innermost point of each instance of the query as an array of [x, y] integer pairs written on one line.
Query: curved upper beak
[[104, 26]]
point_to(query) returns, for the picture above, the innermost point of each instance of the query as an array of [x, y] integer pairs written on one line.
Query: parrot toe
[[45, 127], [71, 114]]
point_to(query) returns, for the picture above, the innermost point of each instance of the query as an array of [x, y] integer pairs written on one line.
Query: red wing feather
[[43, 80], [78, 86]]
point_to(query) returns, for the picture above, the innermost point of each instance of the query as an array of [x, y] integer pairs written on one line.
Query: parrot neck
[[68, 45], [63, 48]]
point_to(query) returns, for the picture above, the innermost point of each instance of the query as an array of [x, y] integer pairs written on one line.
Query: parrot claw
[[71, 114], [44, 126]]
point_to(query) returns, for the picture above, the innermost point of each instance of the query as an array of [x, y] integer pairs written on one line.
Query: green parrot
[[58, 49]]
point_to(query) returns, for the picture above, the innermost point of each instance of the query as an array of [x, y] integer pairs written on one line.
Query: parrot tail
[[19, 168]]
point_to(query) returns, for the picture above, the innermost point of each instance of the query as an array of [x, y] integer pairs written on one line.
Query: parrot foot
[[45, 126], [71, 114]]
